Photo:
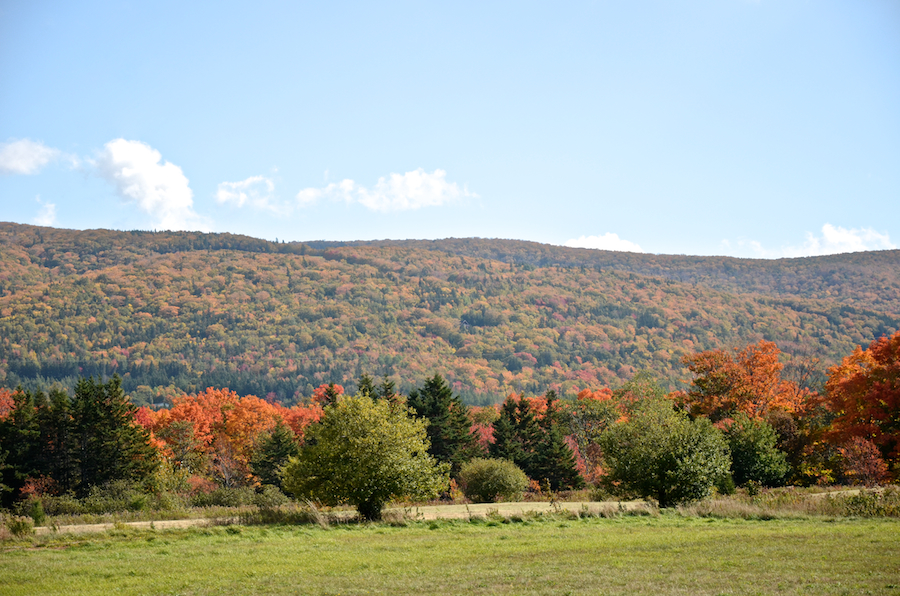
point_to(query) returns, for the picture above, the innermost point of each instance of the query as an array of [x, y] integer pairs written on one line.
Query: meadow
[[565, 553]]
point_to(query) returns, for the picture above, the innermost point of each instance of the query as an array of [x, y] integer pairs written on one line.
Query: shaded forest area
[[178, 312]]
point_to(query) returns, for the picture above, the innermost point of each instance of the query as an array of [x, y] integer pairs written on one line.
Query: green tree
[[661, 453], [506, 443], [553, 460], [109, 444], [365, 452], [272, 453], [754, 455], [366, 386], [449, 427], [20, 441]]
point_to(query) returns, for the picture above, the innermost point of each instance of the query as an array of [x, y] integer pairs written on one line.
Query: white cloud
[[834, 240], [608, 241], [46, 216], [255, 191], [25, 156], [399, 192], [159, 188]]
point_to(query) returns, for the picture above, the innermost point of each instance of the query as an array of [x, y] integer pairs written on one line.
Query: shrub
[[225, 497], [118, 495], [660, 453], [489, 480], [269, 497], [754, 456], [20, 526]]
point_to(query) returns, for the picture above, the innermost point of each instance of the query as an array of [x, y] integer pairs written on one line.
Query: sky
[[759, 129]]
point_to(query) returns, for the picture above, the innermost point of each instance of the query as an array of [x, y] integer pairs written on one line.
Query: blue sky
[[748, 128]]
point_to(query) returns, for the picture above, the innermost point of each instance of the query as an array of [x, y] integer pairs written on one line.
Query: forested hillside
[[191, 310]]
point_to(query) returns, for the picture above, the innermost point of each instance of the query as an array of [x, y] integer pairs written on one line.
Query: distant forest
[[178, 311]]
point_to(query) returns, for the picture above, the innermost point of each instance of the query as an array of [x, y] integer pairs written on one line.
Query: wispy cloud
[[833, 240], [608, 241], [25, 156], [46, 216], [158, 188], [397, 192], [256, 191]]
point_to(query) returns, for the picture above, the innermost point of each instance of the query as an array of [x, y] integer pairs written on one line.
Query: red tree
[[863, 391]]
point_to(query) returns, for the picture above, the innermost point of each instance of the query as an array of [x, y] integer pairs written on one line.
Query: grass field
[[665, 554]]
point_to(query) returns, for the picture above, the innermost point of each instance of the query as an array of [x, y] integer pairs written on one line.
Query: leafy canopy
[[365, 452], [661, 453]]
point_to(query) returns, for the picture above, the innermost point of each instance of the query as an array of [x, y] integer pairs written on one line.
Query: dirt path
[[429, 512]]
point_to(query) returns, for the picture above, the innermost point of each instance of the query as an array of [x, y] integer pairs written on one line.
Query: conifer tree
[[553, 460], [506, 443], [366, 386], [387, 390], [109, 444], [272, 453], [449, 428], [20, 441]]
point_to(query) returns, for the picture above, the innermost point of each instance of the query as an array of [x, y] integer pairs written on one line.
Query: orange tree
[[747, 381], [863, 392]]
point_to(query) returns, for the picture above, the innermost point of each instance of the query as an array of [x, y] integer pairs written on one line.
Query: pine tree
[[109, 444], [20, 441], [387, 390], [449, 428], [528, 434], [506, 443], [272, 453], [366, 386], [553, 460]]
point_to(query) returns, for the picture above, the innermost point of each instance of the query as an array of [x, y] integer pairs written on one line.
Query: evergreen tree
[[387, 390], [272, 454], [109, 444], [55, 422], [506, 443], [528, 435], [20, 441], [553, 460], [449, 428], [366, 386]]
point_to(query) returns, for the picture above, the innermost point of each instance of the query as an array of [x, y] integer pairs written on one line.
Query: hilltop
[[190, 310]]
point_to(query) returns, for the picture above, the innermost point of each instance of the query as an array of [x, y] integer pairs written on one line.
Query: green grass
[[667, 554]]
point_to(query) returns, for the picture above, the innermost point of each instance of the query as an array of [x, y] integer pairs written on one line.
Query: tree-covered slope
[[196, 310]]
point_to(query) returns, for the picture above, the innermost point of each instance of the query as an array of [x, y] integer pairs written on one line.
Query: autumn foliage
[[864, 394], [222, 428], [748, 381]]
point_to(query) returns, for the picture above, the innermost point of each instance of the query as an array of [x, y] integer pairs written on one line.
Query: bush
[[115, 496], [489, 480], [225, 497], [660, 453], [754, 456], [270, 497], [20, 526]]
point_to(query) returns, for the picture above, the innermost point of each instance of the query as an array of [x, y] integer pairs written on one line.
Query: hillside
[[192, 310]]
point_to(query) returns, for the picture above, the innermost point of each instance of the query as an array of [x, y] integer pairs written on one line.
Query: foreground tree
[[449, 426], [754, 456], [365, 452], [661, 453], [554, 461], [110, 444], [863, 392]]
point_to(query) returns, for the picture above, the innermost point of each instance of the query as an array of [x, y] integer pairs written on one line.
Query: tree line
[[740, 423]]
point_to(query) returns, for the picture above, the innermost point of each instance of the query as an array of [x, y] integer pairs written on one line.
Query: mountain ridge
[[189, 309]]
